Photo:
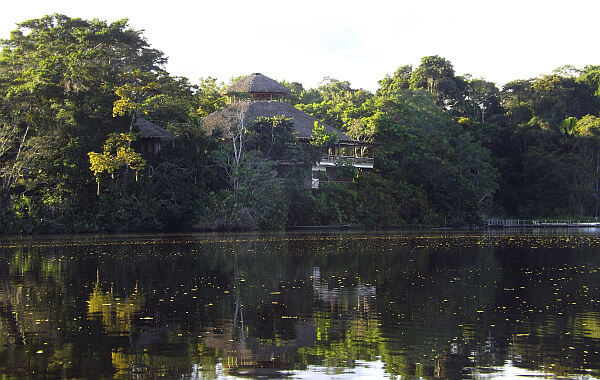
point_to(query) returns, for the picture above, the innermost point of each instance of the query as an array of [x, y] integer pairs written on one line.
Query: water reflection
[[327, 305]]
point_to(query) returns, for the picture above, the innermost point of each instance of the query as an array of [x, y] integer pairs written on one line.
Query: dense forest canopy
[[450, 149]]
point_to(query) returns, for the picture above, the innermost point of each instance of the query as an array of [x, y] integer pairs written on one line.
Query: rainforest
[[449, 150]]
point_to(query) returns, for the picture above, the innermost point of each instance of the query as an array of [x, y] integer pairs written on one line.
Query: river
[[302, 305]]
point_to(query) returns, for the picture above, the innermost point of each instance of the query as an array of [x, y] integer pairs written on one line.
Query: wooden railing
[[315, 183], [333, 158], [509, 223]]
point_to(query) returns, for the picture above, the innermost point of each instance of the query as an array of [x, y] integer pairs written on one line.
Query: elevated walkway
[[522, 223]]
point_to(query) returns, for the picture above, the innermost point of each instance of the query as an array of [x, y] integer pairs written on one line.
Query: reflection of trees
[[285, 328], [115, 311], [429, 306], [549, 302], [519, 304], [345, 321], [433, 303], [37, 315]]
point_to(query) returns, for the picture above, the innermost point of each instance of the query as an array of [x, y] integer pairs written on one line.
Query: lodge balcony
[[326, 170], [359, 162]]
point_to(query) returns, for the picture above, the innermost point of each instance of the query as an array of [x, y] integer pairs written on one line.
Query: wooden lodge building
[[263, 97], [152, 138]]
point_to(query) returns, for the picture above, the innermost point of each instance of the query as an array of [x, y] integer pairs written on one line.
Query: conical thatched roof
[[148, 129], [257, 84], [303, 122]]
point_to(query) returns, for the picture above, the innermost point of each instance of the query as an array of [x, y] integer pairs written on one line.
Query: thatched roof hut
[[151, 130], [303, 122], [263, 88], [259, 86], [264, 91], [152, 138]]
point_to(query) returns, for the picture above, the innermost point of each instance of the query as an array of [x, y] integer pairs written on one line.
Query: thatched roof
[[148, 130], [257, 84], [303, 122]]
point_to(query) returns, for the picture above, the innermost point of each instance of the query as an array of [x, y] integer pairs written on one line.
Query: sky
[[356, 41]]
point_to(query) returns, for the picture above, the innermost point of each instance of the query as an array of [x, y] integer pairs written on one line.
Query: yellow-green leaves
[[117, 153], [322, 138], [142, 94]]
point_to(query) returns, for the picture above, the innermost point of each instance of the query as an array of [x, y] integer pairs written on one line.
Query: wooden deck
[[522, 223], [356, 161]]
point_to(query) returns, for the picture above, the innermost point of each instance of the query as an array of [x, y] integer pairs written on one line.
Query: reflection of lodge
[[265, 94], [254, 357], [360, 298]]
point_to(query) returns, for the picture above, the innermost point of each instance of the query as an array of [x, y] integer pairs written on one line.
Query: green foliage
[[155, 95], [209, 96], [120, 212], [345, 170], [60, 78], [369, 201], [423, 146], [336, 103], [391, 203], [335, 203], [436, 75], [449, 150], [554, 167], [400, 81], [481, 100], [276, 139], [300, 96], [254, 199], [321, 137], [271, 162]]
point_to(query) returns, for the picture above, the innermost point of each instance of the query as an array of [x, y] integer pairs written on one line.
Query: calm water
[[335, 305]]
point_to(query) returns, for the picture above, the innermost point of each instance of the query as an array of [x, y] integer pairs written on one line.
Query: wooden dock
[[508, 223], [529, 223]]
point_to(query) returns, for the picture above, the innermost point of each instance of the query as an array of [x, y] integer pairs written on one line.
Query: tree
[[550, 97], [399, 81], [516, 97], [552, 167], [209, 96], [424, 147], [260, 158], [117, 154], [321, 138], [340, 105], [58, 78], [481, 97], [436, 75], [591, 75]]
